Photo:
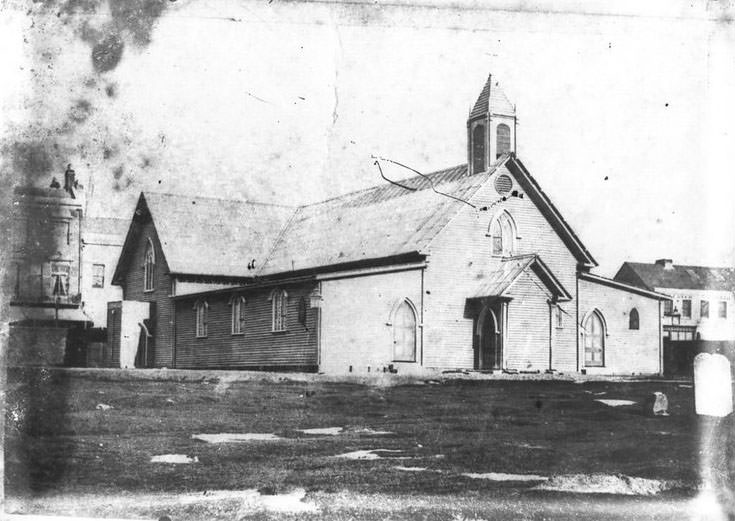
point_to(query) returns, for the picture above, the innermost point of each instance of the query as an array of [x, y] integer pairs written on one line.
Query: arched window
[[238, 314], [633, 319], [149, 265], [594, 340], [478, 149], [404, 332], [502, 140], [202, 309], [503, 234], [278, 310]]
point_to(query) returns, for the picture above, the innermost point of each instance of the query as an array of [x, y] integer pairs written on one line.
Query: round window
[[503, 184]]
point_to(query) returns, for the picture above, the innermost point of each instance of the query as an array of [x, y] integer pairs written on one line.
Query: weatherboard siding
[[258, 346], [161, 312], [459, 260], [627, 351], [356, 319], [527, 336]]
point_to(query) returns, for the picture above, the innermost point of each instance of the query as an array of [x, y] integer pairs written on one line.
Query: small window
[[478, 149], [503, 234], [238, 315], [98, 275], [686, 308], [704, 308], [202, 309], [279, 303], [668, 307], [60, 279], [633, 319], [722, 309], [503, 140], [149, 265]]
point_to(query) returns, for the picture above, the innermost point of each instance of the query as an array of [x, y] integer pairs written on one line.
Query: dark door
[[111, 350], [489, 341]]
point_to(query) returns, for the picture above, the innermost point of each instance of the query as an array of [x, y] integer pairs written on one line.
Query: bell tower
[[491, 128]]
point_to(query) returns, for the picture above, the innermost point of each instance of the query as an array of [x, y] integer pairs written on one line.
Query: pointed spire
[[492, 99]]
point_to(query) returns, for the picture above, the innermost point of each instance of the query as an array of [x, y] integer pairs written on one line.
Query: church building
[[469, 267]]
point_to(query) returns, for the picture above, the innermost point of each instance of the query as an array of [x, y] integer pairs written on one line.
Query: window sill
[[201, 337], [404, 361], [238, 334], [149, 290], [279, 331]]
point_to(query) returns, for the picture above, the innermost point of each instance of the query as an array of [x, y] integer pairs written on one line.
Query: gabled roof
[[378, 222], [492, 99], [652, 275], [208, 236], [623, 286], [497, 283], [219, 238]]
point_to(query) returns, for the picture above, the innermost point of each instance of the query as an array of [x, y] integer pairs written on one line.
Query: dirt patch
[[328, 431], [502, 476], [174, 458], [616, 403], [236, 437], [371, 454], [606, 484]]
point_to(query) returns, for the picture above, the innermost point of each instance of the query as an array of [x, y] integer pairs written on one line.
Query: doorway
[[489, 342]]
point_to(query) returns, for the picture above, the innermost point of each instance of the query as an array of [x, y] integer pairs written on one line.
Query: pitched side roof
[[492, 99], [498, 282], [623, 286], [210, 236], [378, 222], [652, 275]]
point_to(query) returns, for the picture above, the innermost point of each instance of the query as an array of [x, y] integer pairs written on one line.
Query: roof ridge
[[373, 187], [171, 194], [685, 266]]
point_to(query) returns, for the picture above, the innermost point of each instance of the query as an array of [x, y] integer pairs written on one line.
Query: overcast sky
[[625, 118]]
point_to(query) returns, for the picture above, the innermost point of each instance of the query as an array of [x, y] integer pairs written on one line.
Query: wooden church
[[470, 267]]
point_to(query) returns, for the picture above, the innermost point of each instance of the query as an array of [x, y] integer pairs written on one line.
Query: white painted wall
[[459, 260], [355, 313], [627, 351], [713, 327], [133, 314]]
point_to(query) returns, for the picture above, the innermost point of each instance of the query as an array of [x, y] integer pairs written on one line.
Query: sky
[[625, 117]]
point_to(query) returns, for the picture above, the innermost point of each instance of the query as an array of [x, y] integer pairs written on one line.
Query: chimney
[[667, 264], [70, 182]]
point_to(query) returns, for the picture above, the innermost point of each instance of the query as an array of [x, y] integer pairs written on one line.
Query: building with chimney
[[468, 267], [702, 297]]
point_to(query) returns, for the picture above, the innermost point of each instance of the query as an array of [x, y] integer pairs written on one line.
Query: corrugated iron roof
[[378, 222], [209, 236], [654, 275], [492, 99], [496, 282]]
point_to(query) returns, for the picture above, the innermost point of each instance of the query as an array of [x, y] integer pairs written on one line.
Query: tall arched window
[[404, 332], [202, 309], [278, 310], [633, 319], [149, 266], [478, 149], [503, 234], [594, 340], [502, 140], [238, 314]]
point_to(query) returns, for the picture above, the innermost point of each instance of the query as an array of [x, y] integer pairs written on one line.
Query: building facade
[[470, 267], [702, 298]]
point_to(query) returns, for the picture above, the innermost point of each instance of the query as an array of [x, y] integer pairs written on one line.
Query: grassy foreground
[[62, 441]]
